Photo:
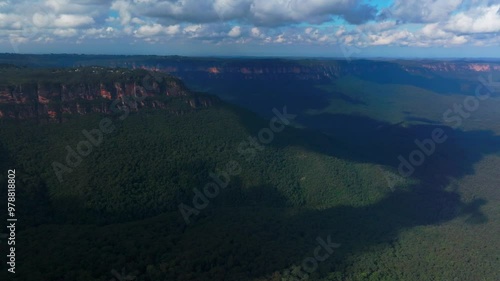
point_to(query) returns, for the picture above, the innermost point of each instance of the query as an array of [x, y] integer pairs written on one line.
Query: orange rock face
[[43, 100], [214, 70], [105, 94], [480, 67], [52, 114]]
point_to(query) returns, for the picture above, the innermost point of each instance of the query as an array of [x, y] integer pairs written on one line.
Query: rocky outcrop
[[95, 90], [314, 69], [146, 82], [260, 68]]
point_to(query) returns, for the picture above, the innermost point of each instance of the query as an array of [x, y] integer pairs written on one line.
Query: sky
[[300, 28]]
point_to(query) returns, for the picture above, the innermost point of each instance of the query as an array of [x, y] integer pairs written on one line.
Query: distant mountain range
[[37, 97]]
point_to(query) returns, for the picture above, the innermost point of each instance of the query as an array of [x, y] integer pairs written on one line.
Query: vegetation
[[118, 209]]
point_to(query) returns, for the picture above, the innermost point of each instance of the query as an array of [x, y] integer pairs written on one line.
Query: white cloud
[[235, 31], [433, 34], [65, 32], [390, 37], [123, 8], [149, 30], [9, 20], [260, 12], [83, 7], [293, 11], [145, 1], [42, 20], [66, 21], [422, 23], [433, 31], [280, 39], [173, 29], [377, 26], [255, 32], [192, 28], [103, 32], [230, 9], [156, 30], [422, 11], [476, 20], [138, 21]]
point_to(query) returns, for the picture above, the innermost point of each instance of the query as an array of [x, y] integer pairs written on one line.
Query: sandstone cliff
[[50, 95]]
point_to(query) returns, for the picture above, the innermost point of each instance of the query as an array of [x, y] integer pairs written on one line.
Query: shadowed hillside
[[117, 210]]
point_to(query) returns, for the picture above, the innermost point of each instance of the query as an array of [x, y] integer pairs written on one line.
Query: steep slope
[[53, 94], [158, 143], [213, 193]]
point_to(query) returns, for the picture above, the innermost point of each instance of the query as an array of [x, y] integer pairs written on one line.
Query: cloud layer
[[351, 23]]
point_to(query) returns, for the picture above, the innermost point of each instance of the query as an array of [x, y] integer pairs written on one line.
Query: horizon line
[[257, 57]]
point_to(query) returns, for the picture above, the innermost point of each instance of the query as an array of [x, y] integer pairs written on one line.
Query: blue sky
[[319, 28]]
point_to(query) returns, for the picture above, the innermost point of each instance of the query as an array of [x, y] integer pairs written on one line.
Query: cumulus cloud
[[65, 32], [476, 20], [172, 29], [104, 32], [231, 9], [255, 32], [192, 28], [123, 7], [378, 26], [422, 11], [83, 7], [259, 12], [193, 11], [422, 23], [295, 11], [10, 21], [390, 37], [433, 34], [235, 31], [42, 21], [149, 30], [156, 29], [72, 20]]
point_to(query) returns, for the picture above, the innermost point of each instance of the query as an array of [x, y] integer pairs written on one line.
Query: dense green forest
[[119, 207], [116, 214]]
